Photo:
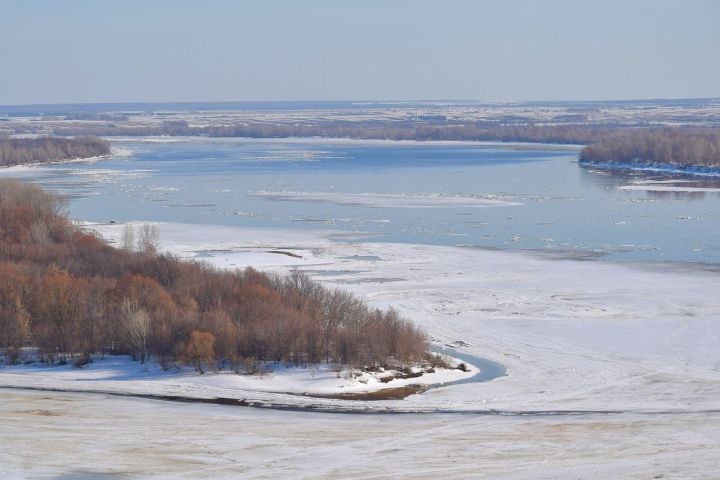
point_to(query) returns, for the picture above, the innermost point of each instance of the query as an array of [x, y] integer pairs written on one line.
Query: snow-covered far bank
[[349, 141], [114, 152], [573, 335], [669, 188], [696, 170]]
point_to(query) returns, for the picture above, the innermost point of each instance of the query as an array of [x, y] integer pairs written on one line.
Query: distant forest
[[69, 295], [667, 146], [480, 131], [20, 151]]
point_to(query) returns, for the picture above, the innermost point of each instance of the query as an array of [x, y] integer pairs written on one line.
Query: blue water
[[488, 370], [565, 207]]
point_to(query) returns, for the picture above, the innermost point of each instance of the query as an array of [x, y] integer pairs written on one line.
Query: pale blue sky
[[57, 51]]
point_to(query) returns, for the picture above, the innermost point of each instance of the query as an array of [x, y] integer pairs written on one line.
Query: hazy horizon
[[369, 102], [180, 51]]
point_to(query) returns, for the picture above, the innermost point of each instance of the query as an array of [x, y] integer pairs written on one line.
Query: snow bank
[[668, 188], [122, 374]]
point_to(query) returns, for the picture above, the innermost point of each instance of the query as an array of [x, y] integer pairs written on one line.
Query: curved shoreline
[[364, 402], [488, 369], [318, 408]]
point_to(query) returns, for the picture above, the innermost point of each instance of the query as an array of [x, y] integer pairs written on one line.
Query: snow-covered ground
[[122, 374], [638, 345], [83, 437], [574, 335]]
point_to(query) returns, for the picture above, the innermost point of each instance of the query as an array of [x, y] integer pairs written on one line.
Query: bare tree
[[137, 327], [301, 285], [127, 241], [14, 328], [40, 234], [148, 238], [199, 349]]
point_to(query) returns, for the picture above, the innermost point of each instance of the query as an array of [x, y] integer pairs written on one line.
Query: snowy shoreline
[[280, 386], [115, 152], [694, 170], [347, 141], [276, 387], [573, 335]]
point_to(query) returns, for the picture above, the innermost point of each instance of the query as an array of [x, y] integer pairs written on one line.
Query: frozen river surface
[[488, 195]]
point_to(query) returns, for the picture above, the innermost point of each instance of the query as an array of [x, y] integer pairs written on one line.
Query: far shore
[[342, 141], [117, 152]]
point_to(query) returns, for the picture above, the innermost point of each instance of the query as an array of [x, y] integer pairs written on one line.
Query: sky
[[55, 51]]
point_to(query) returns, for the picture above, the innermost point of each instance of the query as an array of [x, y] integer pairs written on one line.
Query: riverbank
[[573, 335], [115, 152], [282, 382]]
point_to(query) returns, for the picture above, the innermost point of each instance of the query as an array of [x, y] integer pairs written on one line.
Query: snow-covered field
[[574, 335], [82, 437], [637, 345], [122, 374]]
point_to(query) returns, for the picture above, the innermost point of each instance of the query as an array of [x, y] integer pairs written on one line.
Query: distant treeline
[[612, 143], [666, 146], [68, 294], [604, 143], [20, 151], [481, 131]]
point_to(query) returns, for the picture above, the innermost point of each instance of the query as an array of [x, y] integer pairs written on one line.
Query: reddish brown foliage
[[66, 292], [198, 350]]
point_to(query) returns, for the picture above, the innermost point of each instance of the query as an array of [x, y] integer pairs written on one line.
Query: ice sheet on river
[[387, 200]]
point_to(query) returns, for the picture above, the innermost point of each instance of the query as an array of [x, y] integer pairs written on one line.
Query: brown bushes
[[197, 350], [68, 293]]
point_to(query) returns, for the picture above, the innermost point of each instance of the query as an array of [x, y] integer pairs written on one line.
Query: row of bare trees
[[698, 147], [68, 294], [20, 151]]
